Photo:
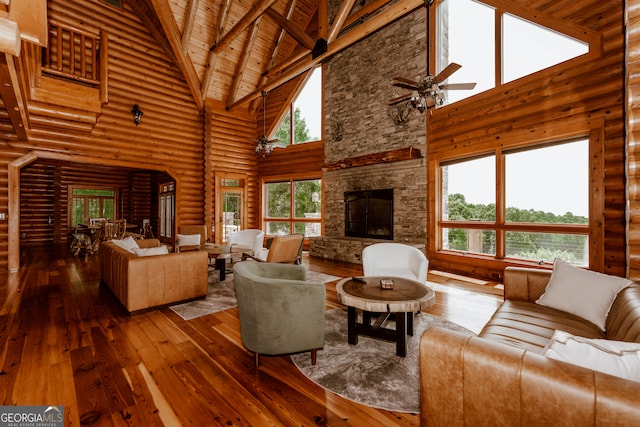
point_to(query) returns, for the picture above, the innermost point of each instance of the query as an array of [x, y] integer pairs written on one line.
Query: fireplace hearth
[[369, 214]]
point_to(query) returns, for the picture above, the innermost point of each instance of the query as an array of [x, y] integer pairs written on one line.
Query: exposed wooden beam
[[162, 10], [295, 58], [9, 37], [363, 12], [323, 20], [259, 8], [187, 27], [211, 59], [278, 43], [12, 97], [291, 28], [339, 20], [31, 16], [377, 22], [246, 53]]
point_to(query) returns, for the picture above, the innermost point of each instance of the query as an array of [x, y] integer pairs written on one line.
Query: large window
[[306, 111], [292, 206], [530, 204], [92, 203], [492, 54]]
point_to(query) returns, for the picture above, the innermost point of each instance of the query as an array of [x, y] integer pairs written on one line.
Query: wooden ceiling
[[231, 50]]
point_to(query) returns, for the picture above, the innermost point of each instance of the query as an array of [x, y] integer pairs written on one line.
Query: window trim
[[592, 38], [594, 229], [292, 220]]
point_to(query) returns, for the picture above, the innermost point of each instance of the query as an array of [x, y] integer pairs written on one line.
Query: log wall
[[633, 136], [230, 153], [169, 138], [580, 97], [45, 197]]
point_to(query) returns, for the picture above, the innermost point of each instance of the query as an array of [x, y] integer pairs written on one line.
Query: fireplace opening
[[369, 213]]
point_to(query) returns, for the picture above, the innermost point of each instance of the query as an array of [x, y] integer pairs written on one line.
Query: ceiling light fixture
[[264, 145]]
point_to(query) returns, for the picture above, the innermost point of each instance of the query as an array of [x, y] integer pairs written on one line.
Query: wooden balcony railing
[[73, 54]]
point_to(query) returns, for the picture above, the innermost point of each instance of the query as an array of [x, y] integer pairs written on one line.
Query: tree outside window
[[545, 213], [293, 206], [307, 114], [92, 203]]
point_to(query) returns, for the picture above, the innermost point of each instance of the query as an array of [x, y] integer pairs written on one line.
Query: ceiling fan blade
[[399, 99], [406, 81], [448, 70], [458, 86], [406, 86], [430, 102]]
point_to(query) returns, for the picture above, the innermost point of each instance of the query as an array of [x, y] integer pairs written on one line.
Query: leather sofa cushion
[[529, 326]]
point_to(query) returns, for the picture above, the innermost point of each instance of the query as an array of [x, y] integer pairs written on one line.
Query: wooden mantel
[[374, 159]]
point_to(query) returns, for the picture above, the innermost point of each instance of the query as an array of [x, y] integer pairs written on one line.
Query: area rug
[[222, 295], [370, 372]]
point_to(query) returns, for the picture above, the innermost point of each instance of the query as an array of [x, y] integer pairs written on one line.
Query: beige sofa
[[144, 282], [501, 377]]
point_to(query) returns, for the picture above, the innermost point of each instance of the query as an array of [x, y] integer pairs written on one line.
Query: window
[[92, 203], [474, 50], [306, 110], [545, 210], [166, 209], [292, 206], [528, 47], [517, 48]]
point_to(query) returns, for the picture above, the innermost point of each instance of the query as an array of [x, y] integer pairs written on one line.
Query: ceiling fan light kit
[[430, 91]]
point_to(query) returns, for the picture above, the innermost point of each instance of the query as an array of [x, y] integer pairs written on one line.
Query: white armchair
[[395, 259], [250, 239]]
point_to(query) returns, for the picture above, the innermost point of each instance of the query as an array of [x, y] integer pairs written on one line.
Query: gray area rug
[[222, 295], [370, 372]]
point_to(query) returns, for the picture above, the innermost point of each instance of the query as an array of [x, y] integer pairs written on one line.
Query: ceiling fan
[[429, 91], [264, 145]]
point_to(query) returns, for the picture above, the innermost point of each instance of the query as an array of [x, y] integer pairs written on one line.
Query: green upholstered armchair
[[280, 312]]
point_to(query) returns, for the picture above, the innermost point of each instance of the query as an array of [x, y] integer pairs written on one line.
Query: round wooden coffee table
[[366, 294]]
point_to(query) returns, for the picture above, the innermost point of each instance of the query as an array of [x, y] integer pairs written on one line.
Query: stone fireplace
[[359, 125]]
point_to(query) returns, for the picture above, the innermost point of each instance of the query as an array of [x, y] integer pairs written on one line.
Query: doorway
[[230, 209]]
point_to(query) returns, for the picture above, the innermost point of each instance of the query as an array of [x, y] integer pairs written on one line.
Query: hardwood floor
[[65, 340]]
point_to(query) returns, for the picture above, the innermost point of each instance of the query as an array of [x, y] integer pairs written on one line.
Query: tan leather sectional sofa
[[500, 377], [144, 282]]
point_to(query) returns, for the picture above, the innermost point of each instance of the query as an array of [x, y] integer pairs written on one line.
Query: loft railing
[[73, 54]]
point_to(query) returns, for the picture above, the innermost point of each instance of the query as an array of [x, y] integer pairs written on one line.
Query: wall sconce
[[137, 114]]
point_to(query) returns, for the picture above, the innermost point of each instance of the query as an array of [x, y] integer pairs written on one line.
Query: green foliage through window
[[525, 245]]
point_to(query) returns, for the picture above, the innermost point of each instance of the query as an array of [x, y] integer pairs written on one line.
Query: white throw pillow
[[188, 240], [585, 293], [127, 243], [159, 250], [618, 358]]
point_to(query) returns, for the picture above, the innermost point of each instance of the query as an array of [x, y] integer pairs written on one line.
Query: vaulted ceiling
[[232, 50]]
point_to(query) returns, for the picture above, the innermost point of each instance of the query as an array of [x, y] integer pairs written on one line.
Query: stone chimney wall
[[358, 84]]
